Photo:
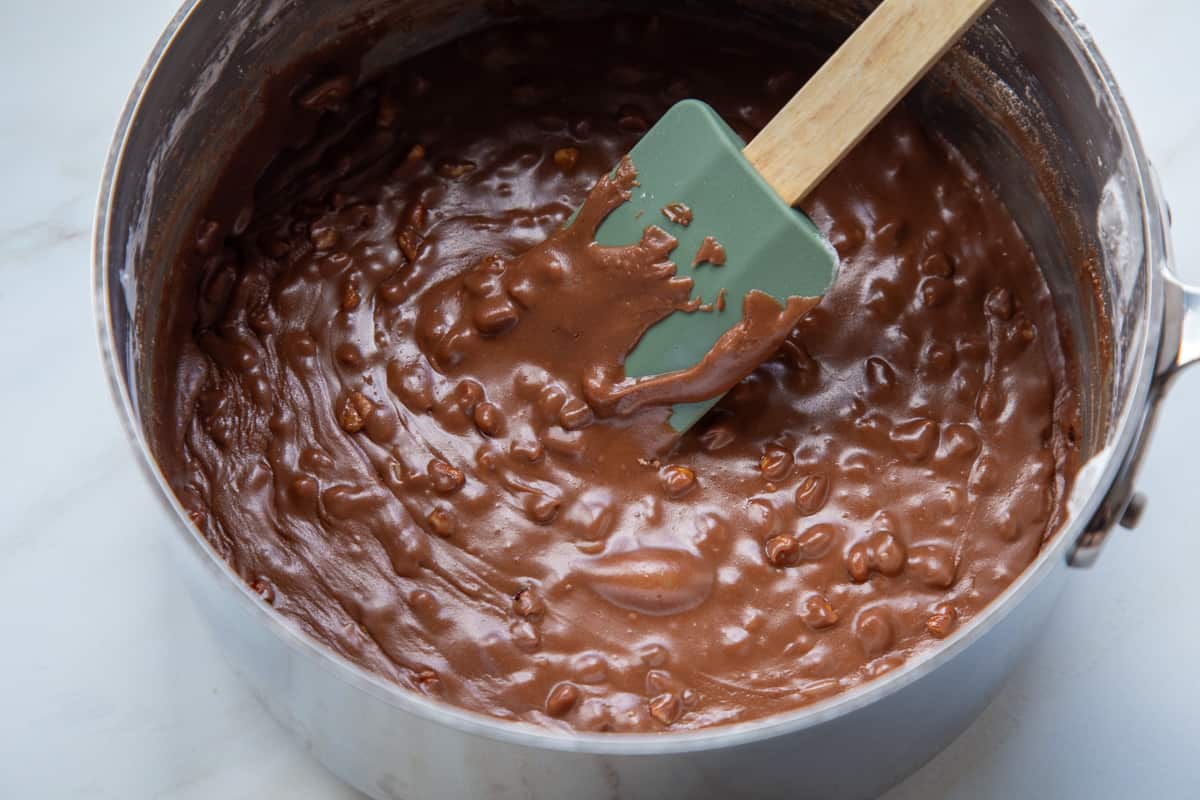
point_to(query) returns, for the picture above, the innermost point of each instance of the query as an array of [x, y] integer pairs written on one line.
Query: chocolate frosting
[[392, 398]]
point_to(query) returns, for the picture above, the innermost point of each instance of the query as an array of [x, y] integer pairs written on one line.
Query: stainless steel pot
[[1047, 125]]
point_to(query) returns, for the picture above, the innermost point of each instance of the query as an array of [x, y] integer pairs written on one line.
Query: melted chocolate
[[558, 299], [393, 401]]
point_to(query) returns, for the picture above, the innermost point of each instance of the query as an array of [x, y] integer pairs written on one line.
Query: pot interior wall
[[1017, 95]]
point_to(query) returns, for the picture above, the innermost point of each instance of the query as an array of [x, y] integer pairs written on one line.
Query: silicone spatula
[[743, 198]]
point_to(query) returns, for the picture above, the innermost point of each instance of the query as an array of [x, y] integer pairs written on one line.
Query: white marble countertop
[[112, 687]]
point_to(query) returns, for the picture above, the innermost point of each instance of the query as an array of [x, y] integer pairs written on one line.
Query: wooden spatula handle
[[868, 74]]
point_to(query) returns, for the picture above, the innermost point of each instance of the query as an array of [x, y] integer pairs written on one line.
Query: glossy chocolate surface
[[391, 405]]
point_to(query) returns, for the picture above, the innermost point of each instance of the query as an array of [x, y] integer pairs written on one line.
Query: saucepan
[[1036, 110]]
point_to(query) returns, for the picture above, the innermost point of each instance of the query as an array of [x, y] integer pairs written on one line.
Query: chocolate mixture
[[564, 292], [398, 410]]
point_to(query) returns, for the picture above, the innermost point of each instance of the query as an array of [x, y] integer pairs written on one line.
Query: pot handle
[[1180, 347], [1182, 319]]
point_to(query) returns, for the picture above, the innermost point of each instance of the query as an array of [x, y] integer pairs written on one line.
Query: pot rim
[[1095, 478]]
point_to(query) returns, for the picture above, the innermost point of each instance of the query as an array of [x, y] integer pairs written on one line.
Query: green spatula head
[[691, 157]]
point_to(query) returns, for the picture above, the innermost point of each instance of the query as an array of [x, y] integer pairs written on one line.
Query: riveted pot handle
[[1179, 348]]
